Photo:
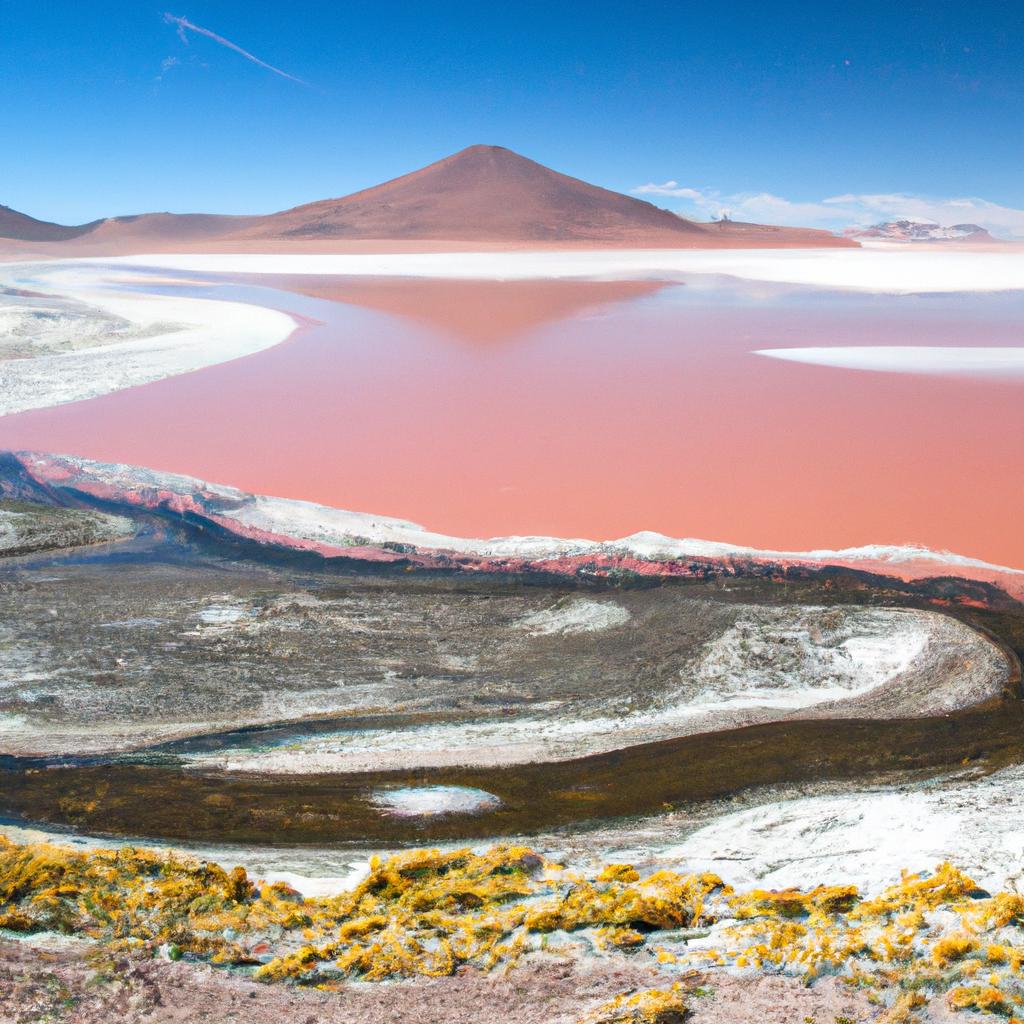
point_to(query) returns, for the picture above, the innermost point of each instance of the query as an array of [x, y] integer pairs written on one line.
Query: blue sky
[[758, 108]]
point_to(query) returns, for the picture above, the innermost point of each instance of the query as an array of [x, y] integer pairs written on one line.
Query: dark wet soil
[[171, 803]]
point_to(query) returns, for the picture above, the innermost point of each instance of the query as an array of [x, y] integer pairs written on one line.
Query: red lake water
[[548, 409]]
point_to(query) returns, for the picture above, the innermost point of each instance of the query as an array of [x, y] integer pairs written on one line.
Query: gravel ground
[[26, 529], [111, 655], [63, 983]]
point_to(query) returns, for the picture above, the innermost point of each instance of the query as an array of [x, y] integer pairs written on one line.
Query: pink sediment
[[362, 553], [112, 485]]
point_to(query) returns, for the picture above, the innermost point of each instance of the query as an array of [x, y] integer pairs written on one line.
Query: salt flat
[[987, 361], [892, 270], [70, 336]]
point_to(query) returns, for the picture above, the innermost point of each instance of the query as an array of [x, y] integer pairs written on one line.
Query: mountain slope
[[168, 227], [23, 228], [482, 193], [483, 196], [741, 234], [171, 226]]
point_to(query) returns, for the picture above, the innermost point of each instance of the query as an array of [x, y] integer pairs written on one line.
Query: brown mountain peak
[[481, 195], [483, 192]]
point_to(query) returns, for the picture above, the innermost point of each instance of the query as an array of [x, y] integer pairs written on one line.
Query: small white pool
[[428, 801]]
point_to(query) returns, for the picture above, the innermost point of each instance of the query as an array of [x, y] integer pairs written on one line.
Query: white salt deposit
[[867, 838], [579, 615], [132, 339], [222, 615], [313, 886], [768, 664], [960, 360], [321, 524], [890, 269], [11, 524], [785, 664], [429, 801], [13, 725]]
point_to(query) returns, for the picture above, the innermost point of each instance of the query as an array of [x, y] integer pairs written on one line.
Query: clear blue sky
[[105, 110]]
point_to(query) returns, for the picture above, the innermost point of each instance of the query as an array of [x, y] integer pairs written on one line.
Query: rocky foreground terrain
[[115, 655], [466, 935], [165, 676], [26, 528], [44, 980]]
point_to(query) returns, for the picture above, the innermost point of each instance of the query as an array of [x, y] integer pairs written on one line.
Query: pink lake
[[546, 409]]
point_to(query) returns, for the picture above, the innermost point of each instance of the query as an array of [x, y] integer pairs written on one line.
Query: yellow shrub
[[975, 997], [619, 873], [652, 1006], [824, 899], [953, 947]]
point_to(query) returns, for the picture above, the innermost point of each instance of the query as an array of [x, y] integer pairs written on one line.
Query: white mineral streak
[[578, 615]]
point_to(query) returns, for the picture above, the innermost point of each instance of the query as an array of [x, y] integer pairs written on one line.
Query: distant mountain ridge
[[23, 228], [922, 231], [482, 194]]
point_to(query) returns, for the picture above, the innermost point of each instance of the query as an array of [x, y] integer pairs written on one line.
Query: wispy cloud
[[838, 212], [184, 26], [166, 65], [668, 188]]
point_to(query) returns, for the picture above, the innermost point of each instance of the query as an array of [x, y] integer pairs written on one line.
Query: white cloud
[[668, 188], [166, 65], [838, 212], [184, 26]]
